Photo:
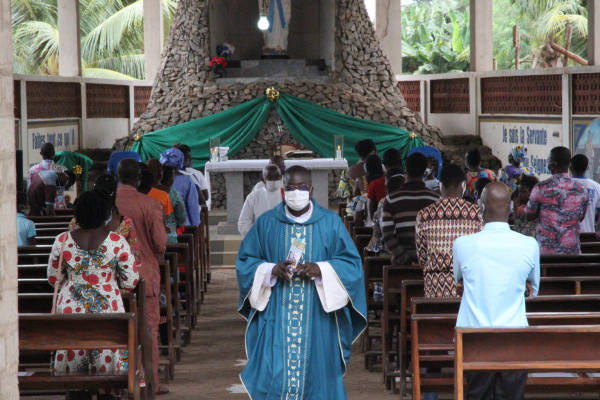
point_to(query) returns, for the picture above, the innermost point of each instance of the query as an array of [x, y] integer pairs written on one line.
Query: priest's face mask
[[272, 179], [298, 190]]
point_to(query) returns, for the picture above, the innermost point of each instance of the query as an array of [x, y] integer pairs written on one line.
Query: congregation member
[[305, 310], [474, 170], [43, 190], [198, 178], [183, 184], [438, 226], [479, 186], [163, 180], [262, 200], [146, 187], [47, 164], [147, 216], [496, 267], [560, 203], [394, 179], [400, 210], [275, 159], [376, 179], [25, 227], [524, 188], [512, 173], [431, 173], [578, 169], [97, 265], [353, 181], [392, 159], [120, 224]]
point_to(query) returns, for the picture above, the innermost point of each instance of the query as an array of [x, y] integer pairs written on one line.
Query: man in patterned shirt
[[561, 204], [438, 226]]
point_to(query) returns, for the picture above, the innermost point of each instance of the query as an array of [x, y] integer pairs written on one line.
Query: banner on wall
[[539, 135], [586, 141], [64, 135]]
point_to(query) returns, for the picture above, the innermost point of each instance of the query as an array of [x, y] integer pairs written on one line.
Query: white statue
[[276, 37]]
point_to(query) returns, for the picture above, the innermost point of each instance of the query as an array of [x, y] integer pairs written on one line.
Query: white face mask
[[273, 186], [297, 199]]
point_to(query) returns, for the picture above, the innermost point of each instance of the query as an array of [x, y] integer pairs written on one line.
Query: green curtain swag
[[76, 162], [312, 125]]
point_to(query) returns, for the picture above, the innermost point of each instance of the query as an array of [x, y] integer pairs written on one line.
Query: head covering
[[519, 153], [172, 158]]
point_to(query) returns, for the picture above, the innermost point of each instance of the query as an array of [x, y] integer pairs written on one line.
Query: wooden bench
[[539, 348], [177, 308], [43, 333], [185, 284], [570, 265], [205, 224]]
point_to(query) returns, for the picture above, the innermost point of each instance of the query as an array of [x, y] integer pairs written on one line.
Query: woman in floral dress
[[97, 265]]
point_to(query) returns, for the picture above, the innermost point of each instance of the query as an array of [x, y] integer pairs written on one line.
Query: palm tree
[[545, 22], [112, 37]]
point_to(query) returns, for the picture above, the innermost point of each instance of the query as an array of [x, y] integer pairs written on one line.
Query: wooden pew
[[205, 224], [185, 260], [177, 308], [342, 209], [43, 333], [570, 265], [191, 276], [167, 311], [539, 348], [588, 237]]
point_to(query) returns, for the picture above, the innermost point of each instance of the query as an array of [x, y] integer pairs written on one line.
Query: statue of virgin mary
[[276, 37]]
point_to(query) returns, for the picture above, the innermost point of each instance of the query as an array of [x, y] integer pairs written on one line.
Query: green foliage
[[111, 31]]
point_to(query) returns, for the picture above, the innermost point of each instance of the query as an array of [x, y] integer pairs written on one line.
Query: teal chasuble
[[295, 349]]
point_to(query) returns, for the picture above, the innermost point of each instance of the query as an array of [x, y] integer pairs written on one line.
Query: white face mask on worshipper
[[273, 186], [297, 199]]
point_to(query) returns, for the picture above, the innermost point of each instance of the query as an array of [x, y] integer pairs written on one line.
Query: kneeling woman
[[97, 264]]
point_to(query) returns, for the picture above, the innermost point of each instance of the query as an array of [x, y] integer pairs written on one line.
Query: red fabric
[[377, 190]]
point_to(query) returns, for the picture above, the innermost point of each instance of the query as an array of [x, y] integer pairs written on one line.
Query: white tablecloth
[[258, 165]]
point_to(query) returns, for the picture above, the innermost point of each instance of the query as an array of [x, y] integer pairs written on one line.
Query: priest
[[302, 292]]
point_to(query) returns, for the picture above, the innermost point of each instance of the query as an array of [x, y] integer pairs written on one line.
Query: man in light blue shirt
[[25, 228], [496, 266]]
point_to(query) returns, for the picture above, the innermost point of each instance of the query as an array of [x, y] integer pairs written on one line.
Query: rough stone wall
[[362, 82], [9, 341]]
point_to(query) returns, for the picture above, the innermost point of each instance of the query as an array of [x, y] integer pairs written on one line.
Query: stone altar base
[[280, 70]]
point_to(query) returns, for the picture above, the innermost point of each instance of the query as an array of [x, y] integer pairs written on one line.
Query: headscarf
[[172, 157], [519, 153]]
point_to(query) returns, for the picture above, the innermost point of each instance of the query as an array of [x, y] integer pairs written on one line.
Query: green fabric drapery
[[71, 160], [312, 125]]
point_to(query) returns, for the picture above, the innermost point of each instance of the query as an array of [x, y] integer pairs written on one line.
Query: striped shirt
[[399, 217]]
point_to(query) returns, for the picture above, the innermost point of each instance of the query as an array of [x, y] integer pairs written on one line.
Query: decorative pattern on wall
[[107, 101], [586, 94], [450, 96], [532, 94], [141, 95], [53, 100], [412, 94]]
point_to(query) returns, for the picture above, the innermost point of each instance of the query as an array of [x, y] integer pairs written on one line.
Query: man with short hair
[[147, 216], [43, 190], [260, 201], [578, 168], [496, 266], [560, 203], [47, 164], [277, 160], [302, 292], [392, 158], [400, 211], [438, 226]]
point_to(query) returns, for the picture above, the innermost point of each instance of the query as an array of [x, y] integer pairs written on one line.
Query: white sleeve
[[202, 181], [260, 293], [331, 292], [246, 219]]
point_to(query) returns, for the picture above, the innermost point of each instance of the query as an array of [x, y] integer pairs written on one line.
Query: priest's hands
[[282, 270], [308, 270]]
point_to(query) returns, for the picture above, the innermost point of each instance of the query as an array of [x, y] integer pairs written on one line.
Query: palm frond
[[131, 65], [32, 10], [40, 41], [105, 74]]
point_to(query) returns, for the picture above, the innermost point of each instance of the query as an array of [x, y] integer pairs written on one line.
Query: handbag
[[58, 276]]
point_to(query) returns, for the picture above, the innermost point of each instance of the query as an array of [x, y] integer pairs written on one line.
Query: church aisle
[[211, 364]]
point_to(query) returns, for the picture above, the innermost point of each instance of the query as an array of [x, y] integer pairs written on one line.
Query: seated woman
[[511, 174], [394, 179], [525, 187], [97, 265], [473, 165], [353, 180], [120, 224]]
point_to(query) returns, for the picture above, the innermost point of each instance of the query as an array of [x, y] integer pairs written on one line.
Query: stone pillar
[[9, 341], [482, 35], [593, 32], [69, 46], [388, 27], [153, 36]]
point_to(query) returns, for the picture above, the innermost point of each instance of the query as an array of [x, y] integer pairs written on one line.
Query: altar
[[233, 170]]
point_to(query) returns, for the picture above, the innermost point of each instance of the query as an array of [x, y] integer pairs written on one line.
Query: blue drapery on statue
[[295, 349], [272, 5]]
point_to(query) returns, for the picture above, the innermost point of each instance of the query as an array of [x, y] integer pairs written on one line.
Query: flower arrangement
[[219, 62]]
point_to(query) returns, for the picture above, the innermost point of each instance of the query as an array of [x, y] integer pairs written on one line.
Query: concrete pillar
[[9, 340], [153, 36], [482, 35], [69, 46], [593, 32], [388, 27]]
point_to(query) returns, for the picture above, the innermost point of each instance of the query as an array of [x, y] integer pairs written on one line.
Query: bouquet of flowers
[[219, 62]]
